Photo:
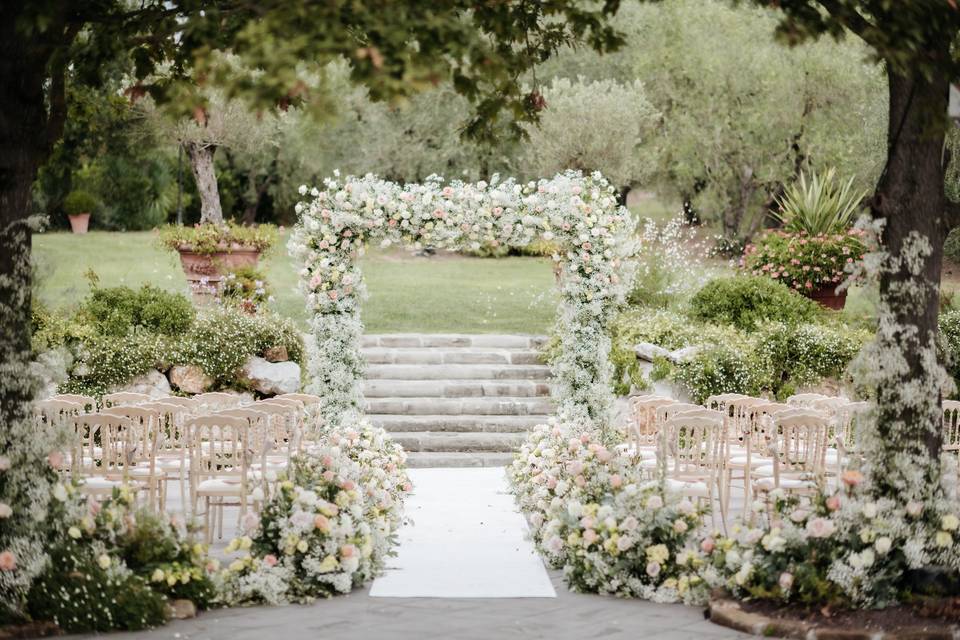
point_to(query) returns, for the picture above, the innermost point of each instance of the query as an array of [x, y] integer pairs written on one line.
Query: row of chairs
[[702, 451], [222, 450]]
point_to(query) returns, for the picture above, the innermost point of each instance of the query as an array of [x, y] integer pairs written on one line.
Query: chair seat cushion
[[769, 484], [100, 484], [688, 488], [219, 487]]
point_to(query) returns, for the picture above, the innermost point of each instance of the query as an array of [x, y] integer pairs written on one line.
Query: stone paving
[[358, 616]]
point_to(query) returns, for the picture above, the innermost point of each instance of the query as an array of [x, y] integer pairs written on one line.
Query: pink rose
[[551, 483], [55, 459], [820, 527], [851, 478], [653, 569], [580, 481], [786, 580], [616, 481], [348, 485], [270, 560], [326, 461], [348, 551], [407, 487], [603, 454], [590, 536], [329, 475], [8, 561], [333, 294], [833, 503], [708, 545], [322, 523]]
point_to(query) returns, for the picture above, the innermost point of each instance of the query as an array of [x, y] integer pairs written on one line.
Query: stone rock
[[182, 609], [649, 351], [153, 383], [271, 378], [684, 354], [190, 378], [276, 354]]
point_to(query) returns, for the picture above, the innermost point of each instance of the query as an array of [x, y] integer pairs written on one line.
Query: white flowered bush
[[842, 549], [594, 517], [328, 527], [577, 212]]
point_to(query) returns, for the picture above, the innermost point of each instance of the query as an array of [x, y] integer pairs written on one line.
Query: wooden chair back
[[125, 398]]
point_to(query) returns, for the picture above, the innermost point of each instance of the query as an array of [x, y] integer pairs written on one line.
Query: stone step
[[457, 372], [454, 388], [456, 406], [452, 355], [420, 459], [486, 340], [441, 441], [458, 423]]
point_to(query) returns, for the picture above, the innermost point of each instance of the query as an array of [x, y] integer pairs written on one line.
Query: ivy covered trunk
[[905, 453], [201, 162], [24, 473]]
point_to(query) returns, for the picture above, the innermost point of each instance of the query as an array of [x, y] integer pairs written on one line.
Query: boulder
[[153, 383], [271, 378], [276, 354], [181, 609], [190, 378], [649, 351], [684, 354]]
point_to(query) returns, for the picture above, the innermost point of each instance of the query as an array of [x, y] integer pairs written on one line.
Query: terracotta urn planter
[[79, 222], [828, 296], [204, 271]]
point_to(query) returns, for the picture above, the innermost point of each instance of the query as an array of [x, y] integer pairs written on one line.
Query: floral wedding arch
[[577, 212]]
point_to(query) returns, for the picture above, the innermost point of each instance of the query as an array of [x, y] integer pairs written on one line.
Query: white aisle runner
[[467, 540]]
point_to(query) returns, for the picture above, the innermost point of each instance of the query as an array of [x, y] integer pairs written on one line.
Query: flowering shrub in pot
[[813, 265], [209, 251]]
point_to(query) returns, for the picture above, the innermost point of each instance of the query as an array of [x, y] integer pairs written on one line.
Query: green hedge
[[747, 301]]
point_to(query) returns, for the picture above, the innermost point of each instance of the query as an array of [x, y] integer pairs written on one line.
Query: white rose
[[820, 527], [5, 510], [949, 522], [882, 545], [870, 510], [868, 557], [60, 492], [104, 561], [4, 463], [654, 502]]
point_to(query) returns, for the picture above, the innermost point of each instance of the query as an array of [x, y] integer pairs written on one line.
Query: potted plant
[[79, 205], [816, 246], [209, 251]]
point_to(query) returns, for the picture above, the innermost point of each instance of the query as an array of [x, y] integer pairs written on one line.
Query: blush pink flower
[[616, 481], [8, 561], [708, 545], [270, 560]]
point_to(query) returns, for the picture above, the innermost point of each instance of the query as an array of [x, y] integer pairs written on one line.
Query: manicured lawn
[[407, 293]]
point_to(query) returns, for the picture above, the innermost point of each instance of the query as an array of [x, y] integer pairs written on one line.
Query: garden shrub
[[717, 369], [949, 323], [104, 362], [746, 301], [115, 311], [792, 356], [79, 595], [222, 338]]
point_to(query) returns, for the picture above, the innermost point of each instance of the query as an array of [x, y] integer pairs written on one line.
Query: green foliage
[[949, 324], [52, 329], [80, 596], [789, 357], [211, 238], [79, 202], [823, 206], [802, 262], [222, 338], [103, 361], [245, 287], [717, 369], [116, 311], [745, 302]]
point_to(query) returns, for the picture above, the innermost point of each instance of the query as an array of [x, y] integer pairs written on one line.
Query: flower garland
[[578, 212], [591, 515]]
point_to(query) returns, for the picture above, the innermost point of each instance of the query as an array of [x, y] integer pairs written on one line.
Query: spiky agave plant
[[824, 204]]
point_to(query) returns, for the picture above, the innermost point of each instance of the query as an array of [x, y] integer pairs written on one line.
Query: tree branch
[[849, 16], [57, 115]]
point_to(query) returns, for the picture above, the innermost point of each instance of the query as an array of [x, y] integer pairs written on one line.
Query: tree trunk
[[201, 162], [905, 451]]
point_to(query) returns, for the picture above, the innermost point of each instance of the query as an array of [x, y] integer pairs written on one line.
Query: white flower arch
[[580, 213]]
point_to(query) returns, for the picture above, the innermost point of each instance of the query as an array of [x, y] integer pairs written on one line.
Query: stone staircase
[[456, 400]]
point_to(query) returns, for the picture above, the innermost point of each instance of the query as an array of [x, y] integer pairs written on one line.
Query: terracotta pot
[[79, 222], [204, 271], [828, 296]]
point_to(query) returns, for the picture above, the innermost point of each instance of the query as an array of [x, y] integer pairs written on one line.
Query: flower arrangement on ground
[[594, 517], [328, 527], [113, 566], [577, 211], [841, 550]]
